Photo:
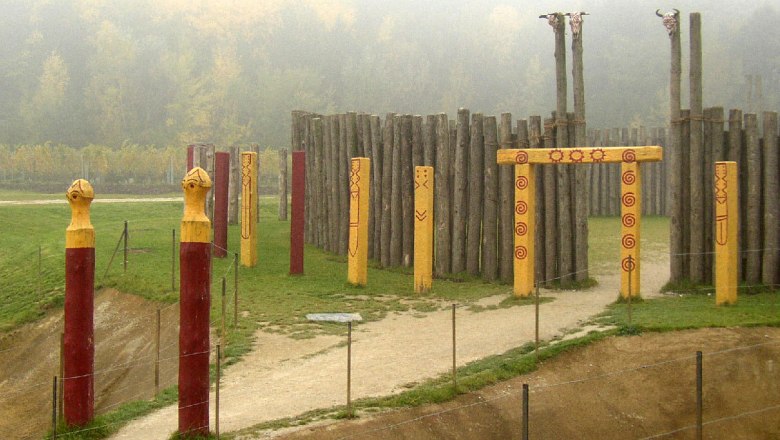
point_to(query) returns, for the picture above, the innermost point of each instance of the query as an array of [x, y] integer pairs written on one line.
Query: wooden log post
[[736, 154], [283, 184], [407, 192], [388, 142], [490, 201], [753, 218], [221, 183], [346, 145], [476, 182], [423, 229], [535, 141], [460, 208], [564, 197], [771, 189], [298, 212], [580, 197], [333, 187], [429, 141], [685, 192], [396, 196], [441, 196], [524, 230], [506, 216], [195, 302], [318, 187], [550, 211], [726, 193], [368, 151], [79, 342], [697, 206], [207, 163], [234, 185], [376, 179], [248, 209], [256, 149], [359, 196]]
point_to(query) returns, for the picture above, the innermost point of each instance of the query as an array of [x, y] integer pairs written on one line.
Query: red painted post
[[297, 214], [190, 157], [194, 306], [79, 341], [221, 181]]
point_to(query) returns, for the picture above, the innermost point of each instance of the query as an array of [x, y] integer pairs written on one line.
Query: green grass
[[604, 241]]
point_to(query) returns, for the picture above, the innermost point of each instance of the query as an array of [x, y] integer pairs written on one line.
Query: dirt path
[[283, 378]]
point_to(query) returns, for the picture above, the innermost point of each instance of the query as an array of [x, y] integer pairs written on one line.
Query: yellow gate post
[[359, 182], [423, 229], [630, 219], [525, 225], [726, 230], [248, 209]]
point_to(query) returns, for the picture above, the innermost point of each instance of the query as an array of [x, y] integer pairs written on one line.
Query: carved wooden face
[[80, 191], [195, 179]]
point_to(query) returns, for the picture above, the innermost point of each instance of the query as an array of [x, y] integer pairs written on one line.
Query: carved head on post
[[196, 185], [80, 232], [670, 20], [576, 22]]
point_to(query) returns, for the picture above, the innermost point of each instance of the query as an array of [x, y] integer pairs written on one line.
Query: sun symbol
[[576, 155], [597, 154], [556, 155]]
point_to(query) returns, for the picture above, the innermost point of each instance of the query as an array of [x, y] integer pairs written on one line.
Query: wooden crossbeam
[[579, 155]]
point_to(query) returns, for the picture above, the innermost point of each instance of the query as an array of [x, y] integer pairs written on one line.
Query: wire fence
[[141, 371]]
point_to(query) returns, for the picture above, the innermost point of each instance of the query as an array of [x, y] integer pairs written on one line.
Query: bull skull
[[669, 19], [576, 22]]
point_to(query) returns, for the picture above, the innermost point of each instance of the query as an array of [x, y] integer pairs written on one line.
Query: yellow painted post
[[726, 230], [248, 209], [630, 215], [359, 182], [423, 229], [525, 209]]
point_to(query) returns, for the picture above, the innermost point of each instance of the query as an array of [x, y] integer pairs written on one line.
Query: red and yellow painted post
[[298, 211], [248, 209], [525, 225], [359, 181], [423, 229], [79, 340], [221, 183], [726, 232], [194, 306], [630, 216]]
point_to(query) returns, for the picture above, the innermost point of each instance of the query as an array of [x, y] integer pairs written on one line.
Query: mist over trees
[[172, 72]]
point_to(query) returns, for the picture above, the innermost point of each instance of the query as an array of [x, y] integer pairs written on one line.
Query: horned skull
[[575, 22], [669, 20]]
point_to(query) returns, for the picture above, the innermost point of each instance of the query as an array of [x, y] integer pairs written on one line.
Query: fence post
[[157, 355], [349, 369], [699, 397], [525, 411], [536, 325], [224, 307], [125, 240], [454, 364]]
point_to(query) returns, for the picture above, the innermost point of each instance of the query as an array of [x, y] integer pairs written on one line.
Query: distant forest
[[172, 72]]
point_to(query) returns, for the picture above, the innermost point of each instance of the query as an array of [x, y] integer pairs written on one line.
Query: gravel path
[[283, 377]]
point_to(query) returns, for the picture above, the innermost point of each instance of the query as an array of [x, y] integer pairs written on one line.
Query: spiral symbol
[[628, 199], [521, 252], [521, 207], [629, 177], [521, 182], [629, 220], [629, 241], [628, 264], [629, 156], [521, 228], [521, 157]]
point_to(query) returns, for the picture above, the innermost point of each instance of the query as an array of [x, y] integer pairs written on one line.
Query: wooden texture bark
[[234, 186], [506, 202], [429, 141], [407, 192], [736, 154], [460, 192], [535, 141], [581, 197], [551, 237], [388, 144], [476, 194], [442, 257], [396, 220], [377, 169], [771, 245], [697, 206], [753, 219], [368, 151], [490, 202]]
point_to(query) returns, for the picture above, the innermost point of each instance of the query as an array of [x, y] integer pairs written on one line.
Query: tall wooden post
[[726, 232], [387, 188], [630, 215], [753, 217], [234, 185], [298, 212], [441, 196], [677, 230], [581, 198], [475, 183], [248, 209], [423, 228], [771, 253], [359, 196], [376, 177], [524, 230], [194, 306], [697, 226], [283, 184], [407, 192], [460, 190], [490, 202], [396, 196], [506, 197], [221, 183], [79, 341]]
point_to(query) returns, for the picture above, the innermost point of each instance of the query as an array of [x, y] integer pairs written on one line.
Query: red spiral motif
[[521, 182], [628, 264], [629, 177], [521, 158], [521, 228], [521, 252], [521, 207], [629, 241], [628, 199], [629, 220], [629, 156]]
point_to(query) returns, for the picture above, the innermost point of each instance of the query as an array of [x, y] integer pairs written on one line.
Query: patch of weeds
[[629, 330]]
